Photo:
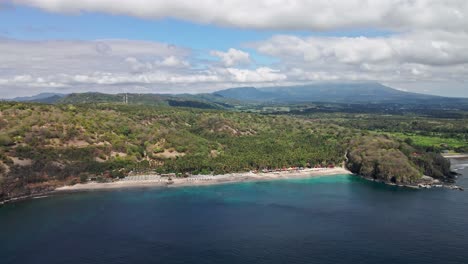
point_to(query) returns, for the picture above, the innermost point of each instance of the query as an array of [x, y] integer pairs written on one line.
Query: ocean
[[330, 219]]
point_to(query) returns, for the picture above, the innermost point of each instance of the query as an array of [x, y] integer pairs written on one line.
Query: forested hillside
[[385, 159], [42, 146], [202, 101], [45, 143]]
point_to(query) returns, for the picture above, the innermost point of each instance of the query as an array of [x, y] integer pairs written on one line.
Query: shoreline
[[153, 180], [455, 156], [202, 180]]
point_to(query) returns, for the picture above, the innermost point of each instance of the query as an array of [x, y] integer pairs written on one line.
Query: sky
[[177, 46]]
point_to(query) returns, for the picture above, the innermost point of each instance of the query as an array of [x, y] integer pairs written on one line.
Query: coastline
[[202, 180], [37, 195], [455, 156], [152, 180]]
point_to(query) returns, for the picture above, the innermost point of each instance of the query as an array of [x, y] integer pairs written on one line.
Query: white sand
[[455, 156], [199, 180]]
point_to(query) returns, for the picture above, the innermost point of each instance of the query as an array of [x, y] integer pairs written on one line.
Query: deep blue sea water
[[340, 219]]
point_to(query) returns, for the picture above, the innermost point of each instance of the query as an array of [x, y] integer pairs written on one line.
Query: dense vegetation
[[381, 158], [432, 134], [46, 143], [96, 136], [203, 101]]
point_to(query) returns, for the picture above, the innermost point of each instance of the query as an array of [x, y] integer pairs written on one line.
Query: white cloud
[[173, 61], [145, 65], [432, 48], [232, 57], [262, 74], [116, 65], [422, 56], [282, 14], [426, 43]]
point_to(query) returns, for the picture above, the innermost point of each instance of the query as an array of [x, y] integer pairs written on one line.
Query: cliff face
[[434, 165], [385, 159]]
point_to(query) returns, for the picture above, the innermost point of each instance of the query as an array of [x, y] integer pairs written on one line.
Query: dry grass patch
[[170, 154], [21, 162]]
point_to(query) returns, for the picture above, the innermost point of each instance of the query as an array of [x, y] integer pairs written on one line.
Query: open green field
[[431, 141]]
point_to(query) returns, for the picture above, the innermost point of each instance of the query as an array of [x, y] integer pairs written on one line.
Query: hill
[[368, 93], [333, 97], [40, 98], [44, 146], [143, 99]]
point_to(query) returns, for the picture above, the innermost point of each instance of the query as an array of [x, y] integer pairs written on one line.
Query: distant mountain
[[328, 93], [248, 93], [48, 100], [40, 98], [332, 93]]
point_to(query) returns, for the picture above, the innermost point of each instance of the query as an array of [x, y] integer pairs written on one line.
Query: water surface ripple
[[339, 219]]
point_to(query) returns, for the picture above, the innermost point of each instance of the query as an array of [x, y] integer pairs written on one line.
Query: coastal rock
[[395, 162], [381, 158], [427, 179]]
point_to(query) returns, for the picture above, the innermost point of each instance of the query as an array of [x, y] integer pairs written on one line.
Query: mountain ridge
[[329, 92], [38, 98], [341, 93]]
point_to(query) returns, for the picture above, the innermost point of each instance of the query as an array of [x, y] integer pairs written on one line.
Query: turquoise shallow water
[[338, 219]]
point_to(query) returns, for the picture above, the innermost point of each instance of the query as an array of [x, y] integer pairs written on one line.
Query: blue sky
[[34, 24], [31, 23], [223, 45]]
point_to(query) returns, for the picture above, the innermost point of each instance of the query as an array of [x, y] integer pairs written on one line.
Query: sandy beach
[[456, 156], [200, 180]]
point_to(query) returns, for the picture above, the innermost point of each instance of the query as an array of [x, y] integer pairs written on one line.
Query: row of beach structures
[[293, 169], [165, 177]]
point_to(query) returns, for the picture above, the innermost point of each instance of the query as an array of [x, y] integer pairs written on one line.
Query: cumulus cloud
[[431, 48], [262, 74], [115, 66], [118, 65], [426, 44], [173, 61], [282, 14], [145, 65], [421, 56], [75, 56], [232, 57]]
